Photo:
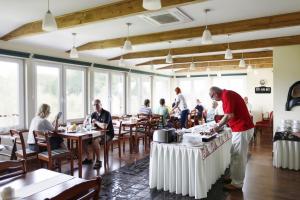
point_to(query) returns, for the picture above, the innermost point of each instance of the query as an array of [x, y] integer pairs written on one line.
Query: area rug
[[132, 182]]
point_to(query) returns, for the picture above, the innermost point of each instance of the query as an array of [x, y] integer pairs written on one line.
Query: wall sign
[[262, 90]]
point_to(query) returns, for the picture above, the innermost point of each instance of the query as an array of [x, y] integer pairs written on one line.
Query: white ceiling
[[14, 13]]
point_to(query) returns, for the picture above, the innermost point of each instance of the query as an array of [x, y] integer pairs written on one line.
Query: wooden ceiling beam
[[250, 44], [261, 54], [219, 63], [116, 10], [262, 23], [214, 69]]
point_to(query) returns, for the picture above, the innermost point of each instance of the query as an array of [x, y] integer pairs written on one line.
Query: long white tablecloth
[[286, 154], [188, 170]]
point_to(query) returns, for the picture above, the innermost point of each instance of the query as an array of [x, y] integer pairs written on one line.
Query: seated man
[[101, 119], [145, 109], [212, 112]]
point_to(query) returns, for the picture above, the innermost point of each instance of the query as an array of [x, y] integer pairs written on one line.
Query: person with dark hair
[[236, 115], [145, 109], [181, 104], [199, 109], [163, 111]]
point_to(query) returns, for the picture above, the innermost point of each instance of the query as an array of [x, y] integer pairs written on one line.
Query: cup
[[8, 193]]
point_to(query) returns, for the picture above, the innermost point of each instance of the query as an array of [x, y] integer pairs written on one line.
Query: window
[[117, 94], [12, 94], [101, 88], [139, 90], [48, 88], [75, 93], [161, 89]]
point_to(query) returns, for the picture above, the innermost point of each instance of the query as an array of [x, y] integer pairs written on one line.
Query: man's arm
[[223, 121]]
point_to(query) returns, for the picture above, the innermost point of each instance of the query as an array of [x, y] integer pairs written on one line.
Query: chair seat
[[55, 153], [29, 153]]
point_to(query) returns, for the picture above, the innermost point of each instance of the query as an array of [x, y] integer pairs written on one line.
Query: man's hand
[[215, 129]]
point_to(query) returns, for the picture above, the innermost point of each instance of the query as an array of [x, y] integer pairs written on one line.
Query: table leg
[[80, 157], [130, 139]]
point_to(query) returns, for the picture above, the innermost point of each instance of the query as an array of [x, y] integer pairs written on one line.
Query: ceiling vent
[[168, 17]]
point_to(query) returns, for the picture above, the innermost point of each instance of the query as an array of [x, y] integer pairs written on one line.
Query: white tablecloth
[[286, 154], [189, 170]]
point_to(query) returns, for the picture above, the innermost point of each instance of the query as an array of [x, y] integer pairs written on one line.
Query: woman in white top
[[40, 123], [181, 104], [145, 109], [212, 112]]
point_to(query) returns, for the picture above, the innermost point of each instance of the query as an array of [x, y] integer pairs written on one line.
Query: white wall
[[286, 72], [261, 103]]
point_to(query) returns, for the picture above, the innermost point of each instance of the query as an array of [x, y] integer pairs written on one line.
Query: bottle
[[89, 122]]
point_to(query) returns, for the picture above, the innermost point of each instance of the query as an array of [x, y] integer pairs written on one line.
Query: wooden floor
[[262, 182]]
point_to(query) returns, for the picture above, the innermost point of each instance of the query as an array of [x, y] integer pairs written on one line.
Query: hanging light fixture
[[152, 66], [188, 75], [249, 68], [228, 53], [121, 61], [152, 4], [242, 63], [219, 73], [192, 65], [169, 58], [127, 44], [74, 52], [49, 22], [206, 35]]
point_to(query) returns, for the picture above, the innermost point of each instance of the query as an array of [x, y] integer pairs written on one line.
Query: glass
[[117, 94], [101, 88], [10, 94], [47, 88], [75, 94]]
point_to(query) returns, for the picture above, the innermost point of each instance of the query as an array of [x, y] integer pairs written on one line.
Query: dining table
[[79, 138], [39, 184]]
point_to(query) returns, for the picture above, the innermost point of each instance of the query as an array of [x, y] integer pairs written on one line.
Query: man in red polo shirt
[[236, 115]]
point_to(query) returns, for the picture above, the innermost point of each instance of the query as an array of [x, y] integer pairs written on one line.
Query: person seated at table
[[145, 109], [199, 110], [212, 112], [41, 123], [163, 111], [101, 119]]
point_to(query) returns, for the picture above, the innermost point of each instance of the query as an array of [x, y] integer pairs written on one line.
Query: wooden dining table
[[40, 184], [79, 138]]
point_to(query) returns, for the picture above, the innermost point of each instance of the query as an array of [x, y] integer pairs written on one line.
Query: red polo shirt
[[233, 103]]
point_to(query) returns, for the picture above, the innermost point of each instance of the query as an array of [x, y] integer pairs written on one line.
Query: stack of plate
[[296, 126], [285, 125]]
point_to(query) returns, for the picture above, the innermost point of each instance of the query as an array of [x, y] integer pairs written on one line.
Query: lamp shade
[[249, 68], [152, 4], [127, 45], [228, 54], [73, 53], [192, 66], [121, 61], [188, 75], [169, 58], [242, 63], [206, 37], [49, 23]]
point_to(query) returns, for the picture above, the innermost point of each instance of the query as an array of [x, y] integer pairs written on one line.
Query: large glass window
[[48, 88], [101, 88], [161, 89], [11, 92], [75, 93], [117, 94], [140, 89]]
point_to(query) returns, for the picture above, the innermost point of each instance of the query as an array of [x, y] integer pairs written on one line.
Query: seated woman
[[163, 111], [40, 123], [212, 112], [145, 109]]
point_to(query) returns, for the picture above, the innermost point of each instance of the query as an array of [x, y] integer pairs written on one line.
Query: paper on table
[[40, 186]]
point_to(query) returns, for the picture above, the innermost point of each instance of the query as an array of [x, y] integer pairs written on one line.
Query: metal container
[[164, 136]]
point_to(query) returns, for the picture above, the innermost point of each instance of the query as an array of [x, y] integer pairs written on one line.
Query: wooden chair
[[265, 123], [84, 191], [142, 115], [154, 124], [23, 153], [42, 139], [12, 168], [9, 144], [141, 132], [121, 136]]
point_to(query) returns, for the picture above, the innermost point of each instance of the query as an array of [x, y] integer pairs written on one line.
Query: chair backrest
[[12, 168], [142, 115], [82, 191], [42, 140], [19, 140], [9, 144]]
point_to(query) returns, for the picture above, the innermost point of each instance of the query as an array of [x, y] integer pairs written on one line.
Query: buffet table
[[189, 170], [286, 150]]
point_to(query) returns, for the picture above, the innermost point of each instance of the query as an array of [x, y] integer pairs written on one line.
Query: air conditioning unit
[[168, 17]]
